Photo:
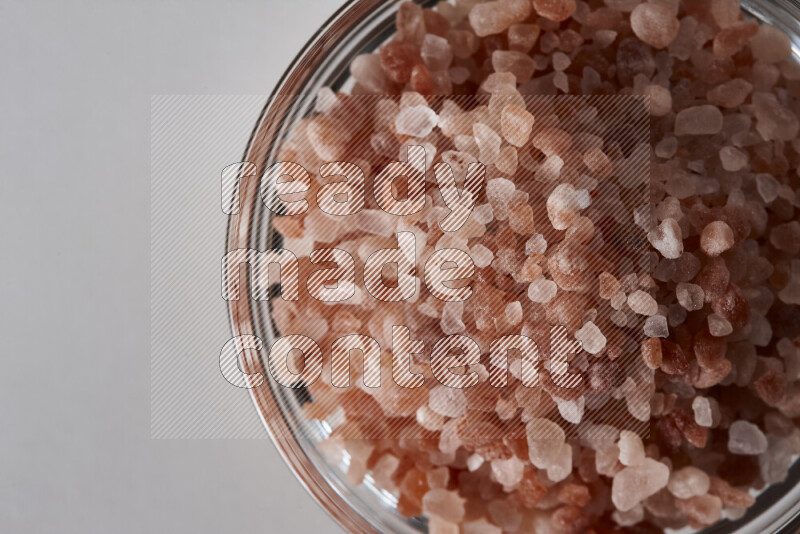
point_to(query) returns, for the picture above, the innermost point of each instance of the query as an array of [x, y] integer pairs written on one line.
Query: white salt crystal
[[416, 121], [436, 52], [698, 120], [642, 303], [483, 214], [774, 464], [746, 438], [326, 100], [732, 158], [703, 414], [583, 198], [562, 207], [634, 484], [446, 401], [667, 239], [571, 410], [561, 467], [488, 142], [688, 482], [790, 294], [499, 192], [767, 187], [509, 472], [513, 312], [656, 326], [481, 256], [631, 448], [474, 462], [719, 326], [690, 296], [592, 339], [542, 290], [535, 245]]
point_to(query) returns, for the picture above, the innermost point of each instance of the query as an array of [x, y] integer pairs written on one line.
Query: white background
[[75, 88]]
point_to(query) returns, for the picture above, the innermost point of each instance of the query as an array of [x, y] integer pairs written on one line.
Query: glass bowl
[[361, 26]]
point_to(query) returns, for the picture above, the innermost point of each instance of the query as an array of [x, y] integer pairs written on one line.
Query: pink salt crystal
[[704, 409], [555, 10], [726, 12], [452, 318], [513, 312], [562, 206], [519, 64], [545, 441], [717, 237], [410, 23], [483, 214], [773, 120], [561, 61], [499, 192], [550, 169], [660, 100], [522, 37], [328, 138], [655, 24], [535, 245], [444, 504], [607, 461], [690, 296], [626, 6], [733, 38], [436, 52], [732, 158], [383, 470], [481, 256], [688, 482], [786, 237], [505, 514], [603, 38], [790, 294], [520, 219], [459, 75], [667, 239], [598, 163], [516, 124], [681, 185], [775, 463], [446, 401], [480, 527], [488, 143], [542, 290], [508, 472], [428, 419], [634, 484], [592, 339], [463, 43], [367, 71], [767, 187], [507, 160], [642, 303], [770, 45], [667, 147], [698, 120], [494, 17], [561, 82], [746, 438], [631, 448], [730, 94], [416, 121], [719, 326], [702, 509], [440, 526]]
